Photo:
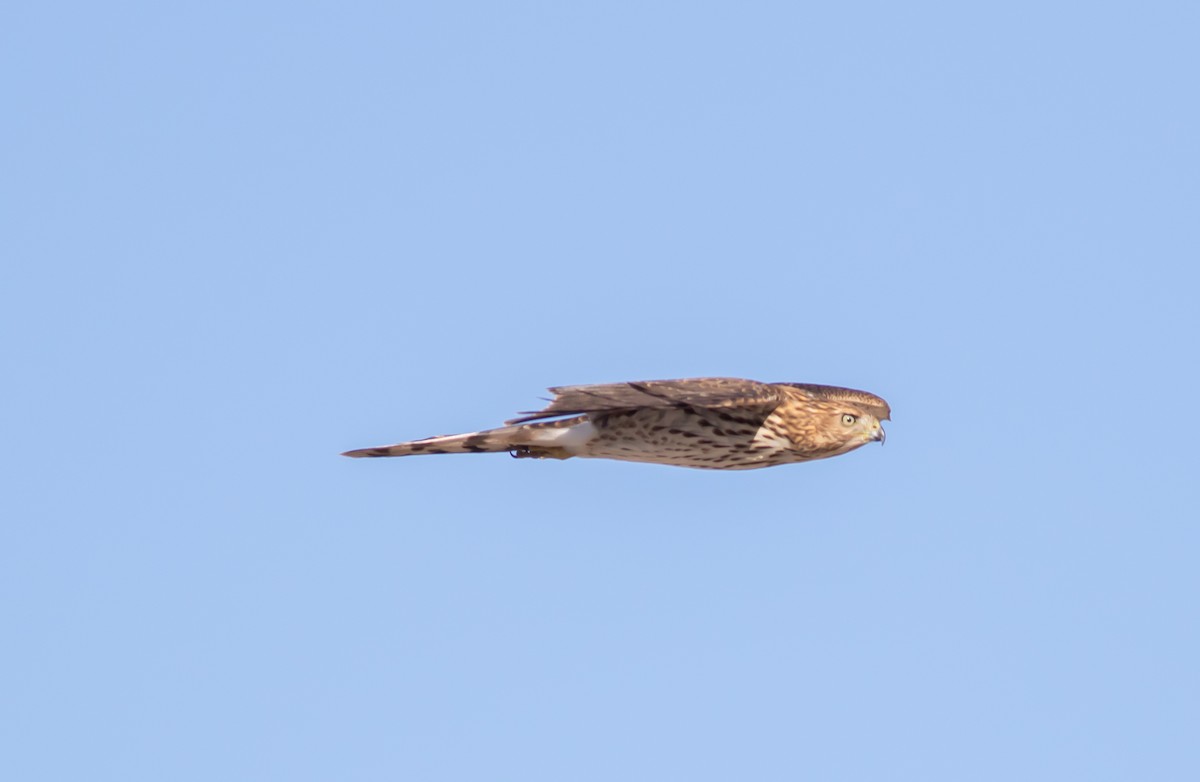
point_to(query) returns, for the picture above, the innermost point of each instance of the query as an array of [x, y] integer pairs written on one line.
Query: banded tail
[[543, 440]]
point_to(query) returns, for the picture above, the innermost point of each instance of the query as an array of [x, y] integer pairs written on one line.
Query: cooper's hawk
[[715, 423]]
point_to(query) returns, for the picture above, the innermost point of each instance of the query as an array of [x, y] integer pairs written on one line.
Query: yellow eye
[[848, 419]]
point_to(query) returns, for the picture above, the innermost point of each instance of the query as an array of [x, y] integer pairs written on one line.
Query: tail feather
[[540, 440], [491, 441]]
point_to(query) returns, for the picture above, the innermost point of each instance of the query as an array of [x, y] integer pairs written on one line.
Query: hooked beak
[[878, 433]]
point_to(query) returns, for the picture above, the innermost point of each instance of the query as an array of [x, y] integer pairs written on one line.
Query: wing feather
[[705, 392]]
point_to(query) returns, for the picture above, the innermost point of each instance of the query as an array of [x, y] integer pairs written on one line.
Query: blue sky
[[241, 238]]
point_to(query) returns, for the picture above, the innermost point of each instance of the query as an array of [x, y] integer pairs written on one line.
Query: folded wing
[[702, 392]]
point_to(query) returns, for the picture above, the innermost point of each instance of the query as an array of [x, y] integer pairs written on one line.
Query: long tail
[[541, 440]]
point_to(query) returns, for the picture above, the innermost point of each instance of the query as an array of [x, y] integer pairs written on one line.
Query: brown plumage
[[713, 423]]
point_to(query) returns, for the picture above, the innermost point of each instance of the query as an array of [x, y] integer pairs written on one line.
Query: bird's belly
[[684, 438]]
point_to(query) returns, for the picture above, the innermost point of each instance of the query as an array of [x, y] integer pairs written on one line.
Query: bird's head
[[843, 418], [856, 426]]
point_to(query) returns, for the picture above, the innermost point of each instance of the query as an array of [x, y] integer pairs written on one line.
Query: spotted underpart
[[707, 423], [686, 437]]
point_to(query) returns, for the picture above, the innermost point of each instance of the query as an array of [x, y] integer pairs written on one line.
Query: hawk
[[715, 423]]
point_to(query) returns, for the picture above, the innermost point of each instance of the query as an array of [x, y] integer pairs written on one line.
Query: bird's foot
[[535, 452]]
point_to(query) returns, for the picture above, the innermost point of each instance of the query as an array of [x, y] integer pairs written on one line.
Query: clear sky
[[239, 238]]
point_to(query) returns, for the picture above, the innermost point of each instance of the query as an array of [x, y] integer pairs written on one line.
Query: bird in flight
[[715, 423]]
